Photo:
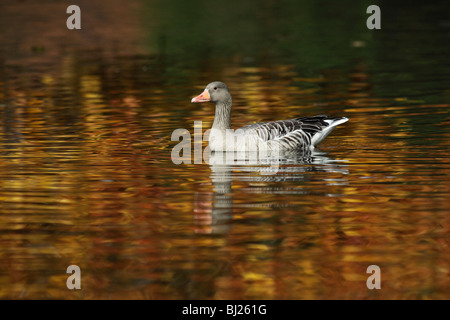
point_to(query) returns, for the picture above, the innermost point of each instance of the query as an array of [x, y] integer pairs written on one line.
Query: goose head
[[216, 92]]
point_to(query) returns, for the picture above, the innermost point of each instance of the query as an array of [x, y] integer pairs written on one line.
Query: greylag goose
[[286, 135]]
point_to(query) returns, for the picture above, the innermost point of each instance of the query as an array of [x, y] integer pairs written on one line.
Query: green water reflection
[[86, 176]]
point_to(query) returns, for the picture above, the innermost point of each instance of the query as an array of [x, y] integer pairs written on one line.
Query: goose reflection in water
[[215, 209]]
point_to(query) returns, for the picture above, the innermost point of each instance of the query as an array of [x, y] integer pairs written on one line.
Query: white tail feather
[[319, 136]]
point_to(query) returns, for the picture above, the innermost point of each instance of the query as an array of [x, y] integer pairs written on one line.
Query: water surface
[[86, 175]]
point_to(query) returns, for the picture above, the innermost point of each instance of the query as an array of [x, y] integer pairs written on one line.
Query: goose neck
[[222, 116]]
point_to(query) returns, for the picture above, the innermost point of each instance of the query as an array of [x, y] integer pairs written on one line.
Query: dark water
[[87, 179]]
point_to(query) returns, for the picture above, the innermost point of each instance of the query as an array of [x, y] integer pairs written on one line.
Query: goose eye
[[215, 88]]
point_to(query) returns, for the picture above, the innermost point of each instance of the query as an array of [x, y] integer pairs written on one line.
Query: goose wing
[[296, 132]]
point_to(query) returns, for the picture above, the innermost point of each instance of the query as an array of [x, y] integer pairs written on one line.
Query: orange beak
[[203, 97]]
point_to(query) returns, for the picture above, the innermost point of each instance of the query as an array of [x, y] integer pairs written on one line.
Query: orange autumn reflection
[[86, 178]]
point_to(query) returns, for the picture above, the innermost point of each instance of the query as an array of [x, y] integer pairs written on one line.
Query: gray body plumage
[[298, 133]]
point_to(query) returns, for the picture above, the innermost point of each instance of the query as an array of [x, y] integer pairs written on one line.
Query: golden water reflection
[[94, 185], [86, 178]]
